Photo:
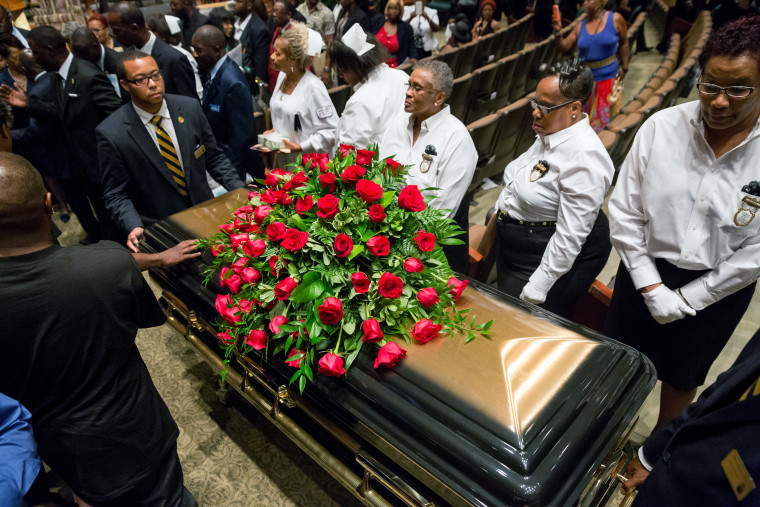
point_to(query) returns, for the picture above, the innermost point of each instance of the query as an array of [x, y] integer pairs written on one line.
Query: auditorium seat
[[483, 92], [459, 101], [543, 57], [513, 126], [626, 133], [523, 63], [609, 140], [483, 134], [484, 54], [466, 62], [260, 121], [667, 92], [500, 47], [505, 79], [651, 106], [615, 124], [451, 58]]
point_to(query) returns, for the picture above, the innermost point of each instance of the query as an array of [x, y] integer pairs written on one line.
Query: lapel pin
[[181, 119]]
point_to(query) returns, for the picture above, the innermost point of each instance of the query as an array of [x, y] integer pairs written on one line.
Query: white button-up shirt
[[452, 167], [675, 201], [421, 26], [571, 192], [166, 124], [240, 25]]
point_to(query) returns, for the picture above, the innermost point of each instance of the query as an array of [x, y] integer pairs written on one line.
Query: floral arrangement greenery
[[330, 257]]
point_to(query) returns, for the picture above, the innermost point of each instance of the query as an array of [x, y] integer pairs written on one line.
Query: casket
[[536, 414]]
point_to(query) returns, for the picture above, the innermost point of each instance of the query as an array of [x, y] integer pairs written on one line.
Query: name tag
[[199, 151], [737, 475], [215, 108], [324, 112]]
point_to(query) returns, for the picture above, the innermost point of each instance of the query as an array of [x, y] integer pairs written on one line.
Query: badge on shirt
[[324, 112], [215, 108], [538, 170], [737, 475], [745, 214], [199, 151]]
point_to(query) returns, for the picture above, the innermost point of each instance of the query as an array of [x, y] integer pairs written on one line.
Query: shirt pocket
[[741, 212]]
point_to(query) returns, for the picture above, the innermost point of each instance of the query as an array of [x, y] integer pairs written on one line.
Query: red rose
[[283, 197], [273, 261], [295, 363], [298, 180], [274, 177], [425, 240], [372, 331], [343, 245], [241, 223], [352, 174], [345, 149], [331, 311], [238, 265], [244, 209], [269, 196], [226, 311], [314, 160], [217, 250], [232, 282], [389, 355], [425, 330], [276, 230], [379, 245], [275, 323], [253, 194], [225, 337], [361, 283], [245, 305], [411, 199], [257, 339], [261, 212], [457, 287], [392, 165], [294, 239], [390, 286], [254, 248], [327, 206], [327, 180], [331, 365], [304, 204], [427, 297], [368, 190], [413, 265], [283, 289], [376, 213], [364, 157], [226, 228], [237, 239]]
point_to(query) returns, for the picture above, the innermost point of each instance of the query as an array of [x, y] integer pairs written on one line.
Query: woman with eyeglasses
[[553, 238], [437, 146], [683, 219]]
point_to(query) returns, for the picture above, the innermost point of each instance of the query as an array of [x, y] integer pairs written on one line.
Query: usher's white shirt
[[571, 192], [675, 201], [315, 110], [452, 168]]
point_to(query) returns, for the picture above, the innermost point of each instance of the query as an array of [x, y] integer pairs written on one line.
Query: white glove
[[532, 294], [666, 306]]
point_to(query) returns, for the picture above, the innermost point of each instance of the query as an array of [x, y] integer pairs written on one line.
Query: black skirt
[[521, 248], [682, 351]]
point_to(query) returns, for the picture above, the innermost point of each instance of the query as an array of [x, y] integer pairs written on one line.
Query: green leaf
[[309, 289], [487, 325], [307, 370], [302, 384], [349, 327], [352, 355], [356, 251], [450, 241], [387, 198], [295, 376]]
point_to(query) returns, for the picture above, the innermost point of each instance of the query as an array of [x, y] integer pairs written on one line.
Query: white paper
[[173, 22], [487, 184], [418, 8], [236, 55], [315, 43]]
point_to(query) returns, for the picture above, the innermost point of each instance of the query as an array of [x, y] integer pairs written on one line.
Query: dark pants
[[521, 248], [682, 351], [86, 200], [459, 255]]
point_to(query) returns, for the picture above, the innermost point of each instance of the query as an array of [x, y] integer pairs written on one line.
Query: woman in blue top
[[600, 37]]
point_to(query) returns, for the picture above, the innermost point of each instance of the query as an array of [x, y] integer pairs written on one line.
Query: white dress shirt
[[194, 65], [371, 108], [420, 25], [63, 70], [16, 33], [148, 47], [571, 192], [311, 102], [451, 169], [675, 201], [240, 25], [166, 124]]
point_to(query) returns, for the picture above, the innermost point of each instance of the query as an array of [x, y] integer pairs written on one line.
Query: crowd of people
[[155, 115]]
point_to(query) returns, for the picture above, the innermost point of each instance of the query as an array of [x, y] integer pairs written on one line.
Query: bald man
[[98, 419], [227, 102]]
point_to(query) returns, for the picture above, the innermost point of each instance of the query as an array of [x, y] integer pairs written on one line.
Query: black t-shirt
[[68, 320]]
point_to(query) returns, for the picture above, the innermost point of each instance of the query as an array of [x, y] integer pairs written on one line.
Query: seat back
[[466, 59], [459, 102], [483, 92], [521, 77], [451, 58], [505, 79], [483, 134], [484, 54], [513, 121], [542, 61]]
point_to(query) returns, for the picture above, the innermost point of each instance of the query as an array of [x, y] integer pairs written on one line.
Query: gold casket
[[537, 414]]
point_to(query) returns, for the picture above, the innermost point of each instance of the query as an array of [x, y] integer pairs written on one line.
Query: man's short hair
[[46, 35], [443, 78], [129, 55], [129, 13]]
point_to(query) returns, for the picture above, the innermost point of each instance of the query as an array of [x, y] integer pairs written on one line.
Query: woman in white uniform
[[378, 90], [437, 146], [301, 109], [553, 238]]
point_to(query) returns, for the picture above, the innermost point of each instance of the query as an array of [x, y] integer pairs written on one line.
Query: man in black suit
[[254, 36], [155, 151], [128, 25], [81, 97], [710, 454], [227, 102], [191, 18], [85, 45]]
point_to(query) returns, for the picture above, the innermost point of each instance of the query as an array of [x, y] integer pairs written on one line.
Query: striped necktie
[[169, 154]]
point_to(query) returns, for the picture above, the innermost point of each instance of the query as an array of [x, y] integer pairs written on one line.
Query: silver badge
[[744, 216]]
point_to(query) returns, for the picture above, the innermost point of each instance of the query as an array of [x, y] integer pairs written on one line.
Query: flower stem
[[340, 335]]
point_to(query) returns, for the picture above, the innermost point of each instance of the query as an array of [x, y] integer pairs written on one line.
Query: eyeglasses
[[142, 81], [418, 88], [547, 109], [737, 92]]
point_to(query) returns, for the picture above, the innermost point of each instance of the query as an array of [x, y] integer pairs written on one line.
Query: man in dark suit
[[85, 45], [254, 36], [349, 15], [710, 454], [191, 18], [155, 151], [128, 25], [227, 102], [81, 97]]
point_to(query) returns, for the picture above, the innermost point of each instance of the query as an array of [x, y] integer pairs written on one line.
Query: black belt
[[509, 220]]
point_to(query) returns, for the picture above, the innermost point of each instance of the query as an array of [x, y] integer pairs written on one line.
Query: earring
[[573, 117]]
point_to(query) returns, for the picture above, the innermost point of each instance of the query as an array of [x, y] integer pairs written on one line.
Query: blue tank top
[[595, 48]]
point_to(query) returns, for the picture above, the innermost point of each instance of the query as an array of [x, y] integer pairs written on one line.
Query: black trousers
[[521, 248], [682, 351], [459, 255], [86, 200]]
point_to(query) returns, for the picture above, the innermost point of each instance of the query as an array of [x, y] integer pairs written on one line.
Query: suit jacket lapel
[[140, 136], [213, 86], [71, 80], [184, 133]]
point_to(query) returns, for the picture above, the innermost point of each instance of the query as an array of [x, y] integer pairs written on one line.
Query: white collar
[[64, 70], [102, 59], [557, 138], [146, 117], [241, 24], [216, 68], [148, 47]]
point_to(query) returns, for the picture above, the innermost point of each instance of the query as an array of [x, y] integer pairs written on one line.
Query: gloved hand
[[666, 306], [532, 294]]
